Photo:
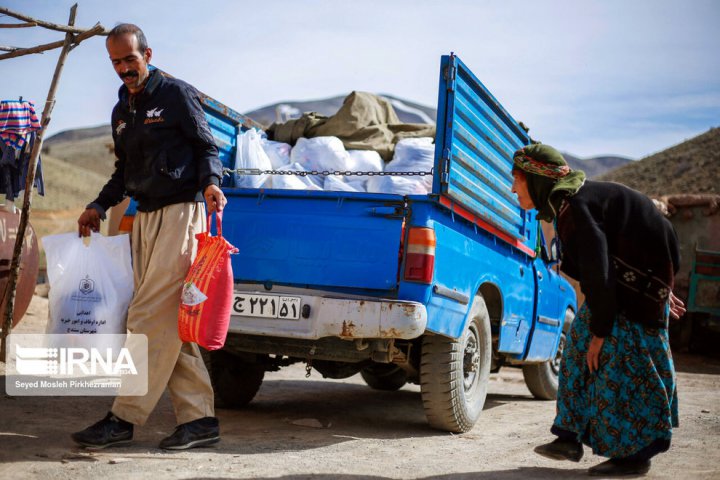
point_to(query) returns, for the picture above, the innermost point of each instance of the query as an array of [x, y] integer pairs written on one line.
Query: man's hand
[[88, 222], [593, 354], [214, 198], [677, 307]]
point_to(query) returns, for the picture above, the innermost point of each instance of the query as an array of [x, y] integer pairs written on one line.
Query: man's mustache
[[129, 74]]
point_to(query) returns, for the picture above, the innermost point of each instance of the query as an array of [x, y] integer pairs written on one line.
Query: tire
[[454, 373], [234, 380], [387, 377], [542, 378]]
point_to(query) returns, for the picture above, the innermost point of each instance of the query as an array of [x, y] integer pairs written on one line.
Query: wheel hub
[[471, 359]]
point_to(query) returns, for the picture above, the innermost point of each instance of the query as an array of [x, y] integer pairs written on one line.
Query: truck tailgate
[[315, 239]]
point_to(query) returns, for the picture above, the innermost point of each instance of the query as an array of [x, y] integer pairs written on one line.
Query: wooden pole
[[96, 30], [27, 200], [18, 25], [51, 26]]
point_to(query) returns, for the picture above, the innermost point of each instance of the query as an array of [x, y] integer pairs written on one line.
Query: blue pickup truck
[[439, 290]]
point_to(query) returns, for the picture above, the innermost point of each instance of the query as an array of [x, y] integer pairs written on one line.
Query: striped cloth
[[17, 119]]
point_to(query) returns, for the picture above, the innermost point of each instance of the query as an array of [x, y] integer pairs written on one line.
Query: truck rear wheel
[[454, 373], [382, 376], [542, 378], [235, 381]]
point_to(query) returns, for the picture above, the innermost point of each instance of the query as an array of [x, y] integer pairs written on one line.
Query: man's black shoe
[[108, 432], [618, 467], [198, 433], [560, 449]]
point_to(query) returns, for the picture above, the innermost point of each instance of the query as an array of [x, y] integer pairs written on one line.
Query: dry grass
[[90, 154], [68, 188], [74, 172], [690, 167]]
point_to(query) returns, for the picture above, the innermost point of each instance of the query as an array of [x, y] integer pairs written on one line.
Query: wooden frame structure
[[73, 37]]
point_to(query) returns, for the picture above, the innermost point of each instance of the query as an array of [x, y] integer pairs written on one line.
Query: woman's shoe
[[560, 449], [617, 467]]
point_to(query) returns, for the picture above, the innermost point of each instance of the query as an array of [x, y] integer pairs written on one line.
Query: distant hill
[[689, 167], [78, 134], [84, 148], [67, 186], [407, 111], [595, 166]]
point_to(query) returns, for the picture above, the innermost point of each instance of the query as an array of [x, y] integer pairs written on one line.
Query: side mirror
[[554, 252]]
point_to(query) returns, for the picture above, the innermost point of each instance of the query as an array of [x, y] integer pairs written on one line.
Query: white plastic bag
[[363, 161], [397, 185], [321, 154], [335, 183], [277, 152], [250, 154], [414, 155], [90, 286], [358, 185], [292, 182]]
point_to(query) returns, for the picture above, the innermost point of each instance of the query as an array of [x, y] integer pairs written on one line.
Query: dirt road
[[298, 428]]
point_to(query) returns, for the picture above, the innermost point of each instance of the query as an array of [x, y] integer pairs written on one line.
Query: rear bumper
[[331, 316]]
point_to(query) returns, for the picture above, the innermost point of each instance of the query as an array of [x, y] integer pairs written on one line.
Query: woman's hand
[[593, 354], [677, 307]]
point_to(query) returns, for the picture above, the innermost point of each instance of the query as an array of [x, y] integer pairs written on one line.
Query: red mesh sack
[[207, 294]]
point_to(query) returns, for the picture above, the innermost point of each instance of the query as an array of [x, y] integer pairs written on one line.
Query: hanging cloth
[[19, 124]]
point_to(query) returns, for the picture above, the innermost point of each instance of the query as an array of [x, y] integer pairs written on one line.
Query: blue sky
[[625, 77]]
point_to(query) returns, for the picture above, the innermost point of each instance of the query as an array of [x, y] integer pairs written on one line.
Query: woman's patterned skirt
[[629, 406]]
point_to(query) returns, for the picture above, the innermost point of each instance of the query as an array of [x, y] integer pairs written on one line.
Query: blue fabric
[[39, 180], [14, 165], [131, 208], [630, 403]]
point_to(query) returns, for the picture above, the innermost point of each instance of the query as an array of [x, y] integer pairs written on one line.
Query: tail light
[[420, 255]]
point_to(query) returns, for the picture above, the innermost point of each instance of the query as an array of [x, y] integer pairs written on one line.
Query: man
[[617, 391], [167, 161]]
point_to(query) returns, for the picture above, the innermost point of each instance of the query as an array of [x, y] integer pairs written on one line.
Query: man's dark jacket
[[165, 151], [622, 250]]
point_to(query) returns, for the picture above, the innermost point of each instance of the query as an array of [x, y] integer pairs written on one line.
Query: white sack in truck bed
[[328, 154]]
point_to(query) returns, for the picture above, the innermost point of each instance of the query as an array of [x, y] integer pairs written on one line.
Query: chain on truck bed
[[302, 173]]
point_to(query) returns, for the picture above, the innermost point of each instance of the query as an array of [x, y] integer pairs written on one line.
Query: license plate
[[267, 306]]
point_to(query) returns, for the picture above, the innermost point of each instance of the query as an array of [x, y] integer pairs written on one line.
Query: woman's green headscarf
[[549, 178]]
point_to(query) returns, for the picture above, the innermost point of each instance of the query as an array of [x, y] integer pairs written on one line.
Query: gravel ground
[[298, 428]]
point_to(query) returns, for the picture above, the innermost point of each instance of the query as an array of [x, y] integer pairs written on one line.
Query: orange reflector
[[422, 236]]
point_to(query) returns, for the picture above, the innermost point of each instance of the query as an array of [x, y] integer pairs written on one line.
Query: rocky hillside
[[690, 167]]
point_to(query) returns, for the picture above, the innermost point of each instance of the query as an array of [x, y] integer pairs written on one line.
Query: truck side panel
[[467, 257], [474, 146]]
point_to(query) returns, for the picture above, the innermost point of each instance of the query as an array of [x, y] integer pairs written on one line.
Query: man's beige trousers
[[163, 248]]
